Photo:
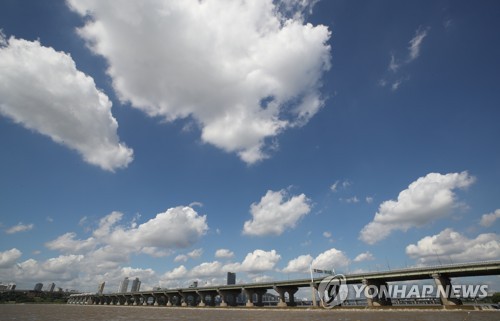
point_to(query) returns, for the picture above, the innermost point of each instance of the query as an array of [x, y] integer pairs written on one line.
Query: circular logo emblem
[[333, 290]]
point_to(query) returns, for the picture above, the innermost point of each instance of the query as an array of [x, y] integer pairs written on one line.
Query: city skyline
[[174, 142]]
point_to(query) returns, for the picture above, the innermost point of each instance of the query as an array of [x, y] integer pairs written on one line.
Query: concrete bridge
[[227, 294]]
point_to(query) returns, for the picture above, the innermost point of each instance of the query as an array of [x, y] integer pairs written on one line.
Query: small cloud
[[327, 234], [224, 253], [393, 65], [369, 199], [49, 219], [19, 228], [198, 204], [352, 200], [366, 256], [487, 220], [344, 184], [416, 43]]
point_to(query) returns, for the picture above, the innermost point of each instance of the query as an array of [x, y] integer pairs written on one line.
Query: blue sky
[[176, 142]]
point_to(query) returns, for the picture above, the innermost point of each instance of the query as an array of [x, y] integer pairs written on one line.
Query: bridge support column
[[203, 298], [228, 297], [249, 294], [145, 299], [284, 289], [183, 299], [376, 293], [445, 290], [260, 293], [168, 299]]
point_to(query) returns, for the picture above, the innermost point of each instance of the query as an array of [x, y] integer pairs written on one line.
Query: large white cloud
[[301, 264], [42, 90], [8, 258], [425, 200], [451, 245], [328, 260], [243, 70], [274, 213], [178, 227]]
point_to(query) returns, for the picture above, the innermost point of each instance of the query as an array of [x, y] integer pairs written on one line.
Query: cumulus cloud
[[330, 259], [487, 220], [449, 244], [194, 254], [258, 261], [274, 213], [42, 90], [68, 244], [299, 265], [20, 227], [224, 254], [9, 257], [366, 256], [242, 84], [178, 227], [425, 200]]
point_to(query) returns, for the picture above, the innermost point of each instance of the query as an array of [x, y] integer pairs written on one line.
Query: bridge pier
[[376, 293], [445, 290], [281, 290], [203, 298], [228, 297], [250, 296]]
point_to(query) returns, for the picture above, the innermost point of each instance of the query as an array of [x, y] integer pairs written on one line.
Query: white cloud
[[369, 199], [42, 90], [178, 227], [487, 220], [224, 254], [258, 261], [207, 269], [66, 243], [416, 43], [300, 264], [20, 227], [449, 244], [425, 200], [353, 199], [366, 256], [179, 59], [274, 214], [193, 255], [8, 258], [327, 234], [344, 184], [330, 259], [395, 75]]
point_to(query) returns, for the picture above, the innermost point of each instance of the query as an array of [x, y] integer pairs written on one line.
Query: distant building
[[50, 287], [194, 284], [11, 286], [231, 278], [100, 288], [123, 286], [38, 287], [136, 285]]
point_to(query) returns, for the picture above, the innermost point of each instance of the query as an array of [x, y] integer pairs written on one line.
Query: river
[[61, 312]]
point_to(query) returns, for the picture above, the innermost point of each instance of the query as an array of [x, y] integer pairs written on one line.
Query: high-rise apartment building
[[123, 286], [231, 278], [38, 287], [136, 285], [100, 288], [50, 287]]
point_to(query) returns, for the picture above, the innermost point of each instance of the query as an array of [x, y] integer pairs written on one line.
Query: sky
[[176, 141]]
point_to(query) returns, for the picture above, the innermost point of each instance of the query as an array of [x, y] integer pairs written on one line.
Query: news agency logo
[[333, 290]]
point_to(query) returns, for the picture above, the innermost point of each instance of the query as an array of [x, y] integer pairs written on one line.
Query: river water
[[61, 312]]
